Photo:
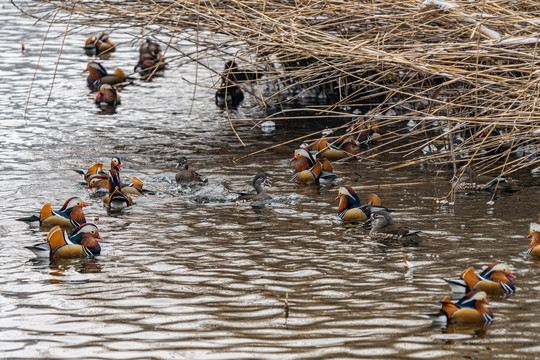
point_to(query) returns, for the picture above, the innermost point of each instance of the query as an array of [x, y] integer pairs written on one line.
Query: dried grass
[[464, 69]]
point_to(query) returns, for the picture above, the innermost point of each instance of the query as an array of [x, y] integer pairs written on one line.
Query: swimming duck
[[308, 170], [62, 247], [149, 64], [107, 96], [150, 47], [100, 184], [70, 215], [258, 183], [334, 153], [229, 94], [83, 234], [494, 280], [97, 75], [469, 180], [471, 308], [96, 169], [116, 198], [534, 233], [350, 208], [384, 228], [97, 45], [234, 74], [366, 132], [184, 175]]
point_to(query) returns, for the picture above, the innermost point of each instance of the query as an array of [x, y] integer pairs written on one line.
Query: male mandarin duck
[[350, 208], [82, 235], [343, 150], [366, 132], [258, 183], [107, 96], [308, 170], [97, 75], [96, 169], [70, 215], [229, 94], [116, 198], [383, 228], [62, 247], [99, 44], [149, 63], [494, 280], [469, 180], [534, 246], [100, 184], [472, 308], [184, 175]]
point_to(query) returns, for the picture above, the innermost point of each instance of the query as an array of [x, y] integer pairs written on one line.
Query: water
[[199, 276]]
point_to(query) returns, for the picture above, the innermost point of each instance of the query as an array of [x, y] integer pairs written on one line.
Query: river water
[[194, 275]]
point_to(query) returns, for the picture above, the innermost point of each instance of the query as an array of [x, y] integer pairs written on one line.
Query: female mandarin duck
[[258, 183], [70, 215], [97, 75], [350, 208], [534, 246], [116, 198], [494, 280], [229, 94], [383, 228], [84, 235], [150, 47], [184, 175], [366, 132], [62, 247], [107, 96], [344, 148], [97, 45], [308, 170], [472, 308], [96, 169]]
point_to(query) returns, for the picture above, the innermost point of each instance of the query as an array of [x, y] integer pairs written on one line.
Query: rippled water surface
[[194, 274]]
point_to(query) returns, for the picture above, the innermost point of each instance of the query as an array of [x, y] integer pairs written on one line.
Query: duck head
[[86, 228], [349, 194], [497, 266], [95, 67], [116, 164], [182, 163], [259, 181], [299, 153], [74, 202]]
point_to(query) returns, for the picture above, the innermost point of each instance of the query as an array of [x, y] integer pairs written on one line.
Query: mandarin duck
[[344, 150], [534, 233], [229, 94], [150, 47], [97, 75], [233, 73], [149, 64], [469, 180], [350, 208], [258, 183], [494, 280], [107, 96], [100, 184], [366, 132], [308, 170], [116, 199], [184, 175], [60, 245], [70, 215], [96, 169], [471, 308], [82, 235], [97, 45], [383, 228]]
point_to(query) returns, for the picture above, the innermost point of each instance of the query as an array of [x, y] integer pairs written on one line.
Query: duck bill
[[511, 275], [89, 188], [119, 166], [337, 197], [99, 237], [529, 236], [267, 182], [85, 204], [293, 158]]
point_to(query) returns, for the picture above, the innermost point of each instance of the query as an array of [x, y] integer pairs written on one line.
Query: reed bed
[[447, 82]]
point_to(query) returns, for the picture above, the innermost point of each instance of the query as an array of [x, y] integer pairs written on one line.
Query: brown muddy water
[[196, 276]]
